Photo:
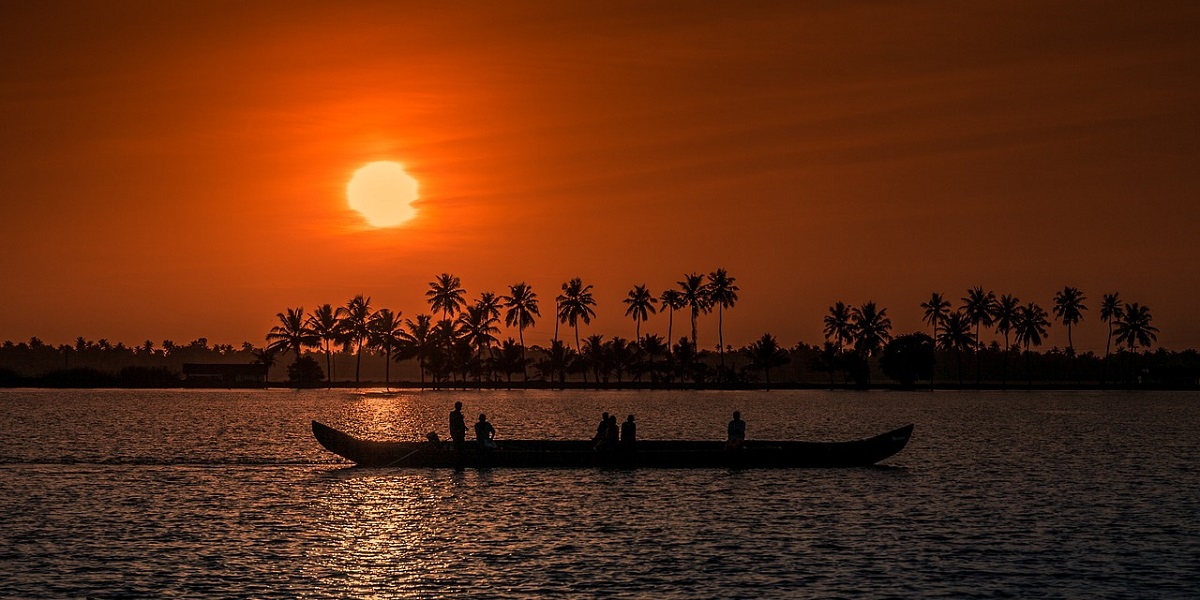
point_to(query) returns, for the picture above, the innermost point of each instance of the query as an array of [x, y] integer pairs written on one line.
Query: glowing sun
[[383, 193]]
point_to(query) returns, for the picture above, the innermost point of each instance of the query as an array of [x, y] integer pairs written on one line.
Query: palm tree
[[446, 333], [262, 356], [621, 355], [445, 295], [1134, 328], [575, 304], [1068, 307], [723, 293], [766, 354], [478, 329], [695, 295], [872, 330], [594, 355], [672, 301], [641, 305], [1005, 320], [522, 305], [420, 339], [326, 322], [936, 309], [980, 308], [510, 359], [652, 347], [684, 356], [956, 336], [557, 358], [386, 335], [490, 304], [292, 333], [1030, 328], [356, 324], [1110, 311], [827, 360], [838, 326]]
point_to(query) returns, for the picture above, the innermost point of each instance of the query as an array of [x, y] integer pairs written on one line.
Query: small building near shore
[[226, 375]]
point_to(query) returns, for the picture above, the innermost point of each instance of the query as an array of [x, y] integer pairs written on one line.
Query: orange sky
[[172, 170]]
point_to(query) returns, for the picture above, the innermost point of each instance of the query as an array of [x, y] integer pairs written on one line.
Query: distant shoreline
[[380, 387]]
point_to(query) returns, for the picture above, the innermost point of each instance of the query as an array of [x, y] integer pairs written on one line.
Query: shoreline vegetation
[[457, 345]]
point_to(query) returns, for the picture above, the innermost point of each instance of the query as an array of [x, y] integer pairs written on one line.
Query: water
[[222, 493]]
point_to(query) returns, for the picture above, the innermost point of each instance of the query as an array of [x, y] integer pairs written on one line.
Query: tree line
[[463, 341], [457, 341], [866, 329]]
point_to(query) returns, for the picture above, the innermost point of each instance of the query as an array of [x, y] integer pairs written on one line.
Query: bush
[[10, 378], [908, 358], [305, 373], [148, 377], [81, 377]]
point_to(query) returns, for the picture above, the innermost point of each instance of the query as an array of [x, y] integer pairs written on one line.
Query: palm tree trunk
[[978, 359], [357, 362], [524, 369], [721, 342], [1133, 362], [328, 369], [695, 342], [579, 351], [933, 320], [960, 362], [670, 325], [1028, 365], [1107, 346], [1004, 370], [387, 369], [1071, 350]]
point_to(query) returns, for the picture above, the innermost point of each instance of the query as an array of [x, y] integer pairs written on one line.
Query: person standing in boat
[[628, 433], [737, 432], [458, 426], [485, 434]]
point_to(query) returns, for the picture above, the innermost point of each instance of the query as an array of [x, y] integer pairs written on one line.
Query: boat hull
[[645, 454]]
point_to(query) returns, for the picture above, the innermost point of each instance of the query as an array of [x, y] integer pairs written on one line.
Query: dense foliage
[[457, 344]]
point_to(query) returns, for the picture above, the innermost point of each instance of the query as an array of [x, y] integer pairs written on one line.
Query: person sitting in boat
[[628, 433], [607, 433], [737, 432], [458, 426], [485, 434], [601, 429]]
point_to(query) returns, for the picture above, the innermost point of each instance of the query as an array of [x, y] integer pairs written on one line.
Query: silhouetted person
[[737, 432], [458, 426], [612, 433], [628, 433], [485, 434], [601, 429]]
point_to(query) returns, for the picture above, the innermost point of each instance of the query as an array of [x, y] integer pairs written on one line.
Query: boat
[[583, 454]]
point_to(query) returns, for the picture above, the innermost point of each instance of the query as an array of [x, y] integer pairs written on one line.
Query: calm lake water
[[226, 494]]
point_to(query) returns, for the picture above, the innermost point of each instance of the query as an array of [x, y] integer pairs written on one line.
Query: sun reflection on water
[[382, 531]]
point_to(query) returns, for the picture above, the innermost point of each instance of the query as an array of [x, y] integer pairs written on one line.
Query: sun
[[383, 193]]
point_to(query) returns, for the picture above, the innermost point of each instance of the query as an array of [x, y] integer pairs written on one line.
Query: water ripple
[[152, 494]]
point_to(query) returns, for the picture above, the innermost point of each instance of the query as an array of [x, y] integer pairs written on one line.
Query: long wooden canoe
[[645, 454]]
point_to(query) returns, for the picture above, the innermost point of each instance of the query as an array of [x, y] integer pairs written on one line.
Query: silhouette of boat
[[581, 454]]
